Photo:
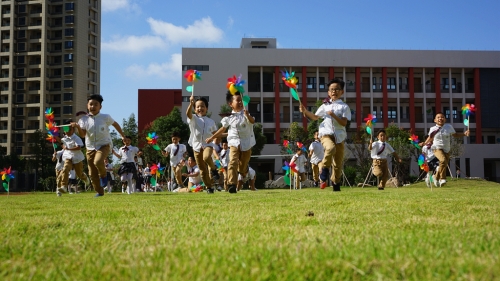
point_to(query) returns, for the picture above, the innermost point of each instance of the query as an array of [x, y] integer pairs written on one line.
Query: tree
[[399, 140], [129, 128], [164, 126], [293, 135]]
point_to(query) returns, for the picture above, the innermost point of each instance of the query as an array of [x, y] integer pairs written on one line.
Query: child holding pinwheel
[[95, 128], [300, 161], [202, 127], [176, 151], [316, 154], [57, 157], [240, 138], [379, 152], [127, 169], [431, 160], [332, 132], [440, 138]]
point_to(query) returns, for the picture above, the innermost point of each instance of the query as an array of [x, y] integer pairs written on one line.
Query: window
[[21, 34], [19, 111], [19, 150], [68, 109], [311, 82], [68, 57], [259, 47], [21, 47], [446, 83], [322, 84], [68, 71], [21, 60], [19, 124], [447, 113], [68, 45], [70, 6], [20, 85], [20, 98], [21, 8], [68, 83], [20, 72], [69, 19], [19, 137], [392, 113], [68, 96], [374, 112], [197, 67], [69, 32], [391, 83], [21, 21]]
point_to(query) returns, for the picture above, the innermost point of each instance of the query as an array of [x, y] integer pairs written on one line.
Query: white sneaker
[[427, 181], [62, 189], [436, 184], [442, 182], [123, 190]]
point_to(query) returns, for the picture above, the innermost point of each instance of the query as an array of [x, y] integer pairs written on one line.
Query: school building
[[404, 87]]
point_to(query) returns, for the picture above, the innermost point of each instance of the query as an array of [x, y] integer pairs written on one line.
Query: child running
[[127, 169], [176, 151], [379, 152]]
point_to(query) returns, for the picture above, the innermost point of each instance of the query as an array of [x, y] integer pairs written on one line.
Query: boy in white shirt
[[224, 160], [379, 152], [95, 128], [72, 182], [440, 138], [201, 128], [72, 158], [240, 138], [430, 158], [300, 161], [316, 154], [251, 176], [176, 151], [127, 169], [193, 173], [332, 132]]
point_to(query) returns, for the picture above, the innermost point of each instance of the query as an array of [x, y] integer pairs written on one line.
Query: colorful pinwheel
[[7, 175], [302, 146], [156, 170], [291, 81], [468, 110], [370, 122], [287, 145], [218, 164], [236, 85], [422, 163], [49, 114], [192, 76], [414, 140], [152, 139], [196, 188], [52, 132]]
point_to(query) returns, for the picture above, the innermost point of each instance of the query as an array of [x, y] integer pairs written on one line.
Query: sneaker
[[316, 183], [442, 182], [104, 181], [215, 175], [380, 188], [435, 182], [323, 185], [123, 190], [210, 190], [427, 182], [98, 195], [324, 175], [232, 188], [219, 188], [336, 187], [62, 189], [71, 192], [59, 194]]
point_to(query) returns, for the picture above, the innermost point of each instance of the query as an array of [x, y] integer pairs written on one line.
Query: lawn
[[409, 233]]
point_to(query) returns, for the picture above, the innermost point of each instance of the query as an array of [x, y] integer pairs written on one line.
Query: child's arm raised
[[308, 114], [189, 111]]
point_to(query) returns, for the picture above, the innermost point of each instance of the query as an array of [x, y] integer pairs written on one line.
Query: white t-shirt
[[201, 129], [377, 147], [171, 149], [76, 156], [330, 126], [317, 152], [428, 152], [60, 162], [224, 157], [192, 170], [250, 175], [139, 161], [299, 162], [97, 128], [72, 175], [240, 130], [147, 172], [128, 153], [442, 139]]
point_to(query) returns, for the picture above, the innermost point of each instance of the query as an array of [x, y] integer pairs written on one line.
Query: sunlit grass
[[405, 233]]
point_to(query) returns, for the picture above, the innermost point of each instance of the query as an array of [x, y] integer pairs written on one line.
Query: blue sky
[[142, 40]]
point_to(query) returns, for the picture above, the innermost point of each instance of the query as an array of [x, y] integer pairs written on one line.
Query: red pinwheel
[[291, 81], [152, 139], [236, 85], [414, 140], [192, 76], [370, 122], [7, 175], [49, 114], [301, 146], [468, 110]]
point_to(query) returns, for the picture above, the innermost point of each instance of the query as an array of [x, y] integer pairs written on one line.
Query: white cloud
[[134, 44], [169, 70], [230, 22], [200, 31], [112, 5]]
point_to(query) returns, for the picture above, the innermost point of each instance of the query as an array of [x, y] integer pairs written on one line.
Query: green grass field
[[409, 233]]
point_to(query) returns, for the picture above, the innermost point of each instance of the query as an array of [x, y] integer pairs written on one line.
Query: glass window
[[70, 6], [68, 83], [21, 8], [20, 98], [68, 70], [68, 45], [20, 85], [68, 96], [391, 83], [69, 32], [311, 82], [21, 34], [21, 21], [68, 57], [446, 83], [19, 124], [67, 109], [20, 60], [20, 72], [69, 19], [392, 113], [19, 111], [19, 137]]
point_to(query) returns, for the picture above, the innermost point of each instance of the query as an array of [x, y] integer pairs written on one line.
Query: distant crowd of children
[[221, 155]]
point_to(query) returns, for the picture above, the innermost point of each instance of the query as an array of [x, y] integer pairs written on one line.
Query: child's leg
[[178, 175], [315, 170], [68, 166], [443, 163], [95, 159], [377, 168], [338, 163], [58, 178], [329, 146], [79, 172], [243, 163], [232, 173], [385, 174], [225, 178], [207, 158], [205, 175]]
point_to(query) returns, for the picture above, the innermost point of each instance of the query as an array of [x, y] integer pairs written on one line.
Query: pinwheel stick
[[60, 126], [192, 90]]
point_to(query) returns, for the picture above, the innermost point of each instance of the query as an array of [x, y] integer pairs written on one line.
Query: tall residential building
[[402, 87], [50, 57]]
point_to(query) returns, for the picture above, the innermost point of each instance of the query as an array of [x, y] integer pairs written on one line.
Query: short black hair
[[175, 135], [128, 137], [224, 140], [96, 97], [381, 131], [229, 96], [338, 81], [204, 100], [439, 113]]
